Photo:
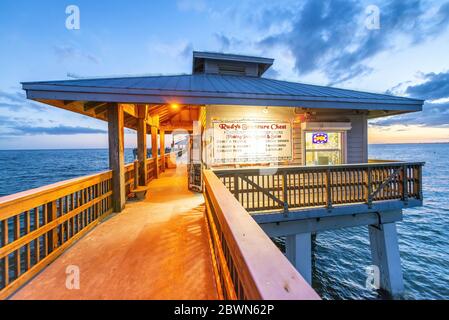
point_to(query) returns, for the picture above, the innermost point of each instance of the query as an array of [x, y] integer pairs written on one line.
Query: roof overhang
[[377, 108]]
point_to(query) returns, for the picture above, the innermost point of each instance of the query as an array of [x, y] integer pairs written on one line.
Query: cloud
[[175, 49], [433, 115], [67, 53], [223, 41], [187, 51], [19, 126], [59, 130], [55, 131], [436, 86], [192, 5], [227, 43], [17, 101], [331, 36]]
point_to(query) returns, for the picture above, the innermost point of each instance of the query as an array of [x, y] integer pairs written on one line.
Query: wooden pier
[[154, 249], [171, 245]]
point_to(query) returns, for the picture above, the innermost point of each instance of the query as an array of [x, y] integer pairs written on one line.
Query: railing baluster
[[328, 190], [369, 191], [285, 192], [404, 184], [27, 246], [236, 187], [5, 241], [17, 262], [37, 243]]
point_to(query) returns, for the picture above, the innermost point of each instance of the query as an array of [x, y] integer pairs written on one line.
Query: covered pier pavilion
[[302, 168]]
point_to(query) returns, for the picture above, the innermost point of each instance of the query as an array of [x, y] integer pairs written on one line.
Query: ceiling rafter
[[92, 105]]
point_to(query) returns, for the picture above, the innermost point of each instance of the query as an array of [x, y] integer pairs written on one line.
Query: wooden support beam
[[116, 155], [142, 143], [92, 105], [157, 109], [130, 109], [162, 143], [102, 109], [154, 150]]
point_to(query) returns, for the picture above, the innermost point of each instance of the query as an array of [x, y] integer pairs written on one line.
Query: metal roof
[[216, 89]]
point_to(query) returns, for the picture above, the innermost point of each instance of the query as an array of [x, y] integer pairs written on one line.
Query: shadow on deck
[[154, 249]]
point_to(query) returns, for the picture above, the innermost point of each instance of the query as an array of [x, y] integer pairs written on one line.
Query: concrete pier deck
[[154, 249]]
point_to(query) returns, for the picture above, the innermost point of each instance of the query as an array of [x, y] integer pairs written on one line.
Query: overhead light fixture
[[174, 106], [265, 110]]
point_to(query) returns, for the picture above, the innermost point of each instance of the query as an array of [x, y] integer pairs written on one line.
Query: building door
[[324, 148]]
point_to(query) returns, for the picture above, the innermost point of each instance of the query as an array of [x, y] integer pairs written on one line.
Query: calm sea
[[340, 257]]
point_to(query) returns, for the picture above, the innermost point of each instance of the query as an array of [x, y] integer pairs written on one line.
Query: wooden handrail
[[286, 187], [45, 221], [247, 264]]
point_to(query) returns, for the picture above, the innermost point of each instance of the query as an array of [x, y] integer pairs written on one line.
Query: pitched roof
[[216, 89]]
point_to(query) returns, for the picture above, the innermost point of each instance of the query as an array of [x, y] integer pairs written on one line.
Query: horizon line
[[103, 148]]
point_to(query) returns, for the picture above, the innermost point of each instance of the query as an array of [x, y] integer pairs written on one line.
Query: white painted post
[[385, 255], [298, 249]]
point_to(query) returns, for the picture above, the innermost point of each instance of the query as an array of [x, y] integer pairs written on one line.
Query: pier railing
[[38, 225], [246, 262], [285, 188]]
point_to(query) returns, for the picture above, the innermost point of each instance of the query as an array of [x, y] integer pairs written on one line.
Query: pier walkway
[[154, 249]]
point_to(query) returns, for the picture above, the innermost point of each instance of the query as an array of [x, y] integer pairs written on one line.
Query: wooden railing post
[[369, 188], [142, 111], [404, 180], [285, 192], [154, 151], [52, 237], [162, 148], [420, 183], [236, 187], [136, 174], [328, 190]]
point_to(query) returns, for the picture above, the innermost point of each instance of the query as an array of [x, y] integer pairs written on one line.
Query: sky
[[329, 42]]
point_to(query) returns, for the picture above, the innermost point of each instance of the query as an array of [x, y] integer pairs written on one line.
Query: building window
[[323, 148]]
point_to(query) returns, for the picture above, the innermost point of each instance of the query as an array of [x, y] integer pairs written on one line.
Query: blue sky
[[322, 42]]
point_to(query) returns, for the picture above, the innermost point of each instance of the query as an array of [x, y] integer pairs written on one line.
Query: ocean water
[[21, 170], [340, 257]]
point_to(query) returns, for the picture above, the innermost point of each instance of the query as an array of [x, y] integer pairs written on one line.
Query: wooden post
[[116, 155], [52, 237], [154, 151], [136, 174], [285, 192], [328, 190], [368, 189], [162, 142], [404, 179], [142, 143]]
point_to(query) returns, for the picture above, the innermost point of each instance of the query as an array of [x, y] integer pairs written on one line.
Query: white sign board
[[255, 141]]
